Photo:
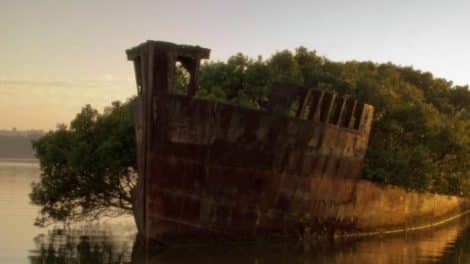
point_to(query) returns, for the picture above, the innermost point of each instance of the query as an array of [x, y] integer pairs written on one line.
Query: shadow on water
[[447, 244]]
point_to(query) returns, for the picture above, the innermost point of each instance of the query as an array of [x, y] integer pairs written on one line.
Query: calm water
[[112, 241]]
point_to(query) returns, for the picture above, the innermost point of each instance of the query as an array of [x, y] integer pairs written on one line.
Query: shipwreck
[[210, 171]]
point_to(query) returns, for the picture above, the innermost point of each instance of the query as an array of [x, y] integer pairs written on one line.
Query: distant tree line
[[17, 144], [419, 141]]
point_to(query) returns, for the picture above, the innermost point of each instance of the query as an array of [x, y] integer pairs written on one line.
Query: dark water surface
[[112, 241]]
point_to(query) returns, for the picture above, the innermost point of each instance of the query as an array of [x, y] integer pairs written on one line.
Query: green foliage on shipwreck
[[419, 139], [88, 169]]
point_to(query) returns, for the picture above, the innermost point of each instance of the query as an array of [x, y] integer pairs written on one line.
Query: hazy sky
[[57, 55]]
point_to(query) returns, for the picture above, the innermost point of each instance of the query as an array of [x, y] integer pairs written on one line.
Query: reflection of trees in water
[[444, 244], [79, 246]]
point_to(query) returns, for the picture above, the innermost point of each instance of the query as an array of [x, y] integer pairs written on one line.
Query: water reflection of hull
[[446, 244]]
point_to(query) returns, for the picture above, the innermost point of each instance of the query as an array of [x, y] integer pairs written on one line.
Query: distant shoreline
[[19, 160]]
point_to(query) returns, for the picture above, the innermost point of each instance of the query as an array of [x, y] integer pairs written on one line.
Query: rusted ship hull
[[211, 171], [218, 171]]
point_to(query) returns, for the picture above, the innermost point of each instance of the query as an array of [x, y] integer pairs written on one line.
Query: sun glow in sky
[[57, 56]]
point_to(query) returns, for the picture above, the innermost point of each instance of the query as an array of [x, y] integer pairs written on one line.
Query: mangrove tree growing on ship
[[419, 141]]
